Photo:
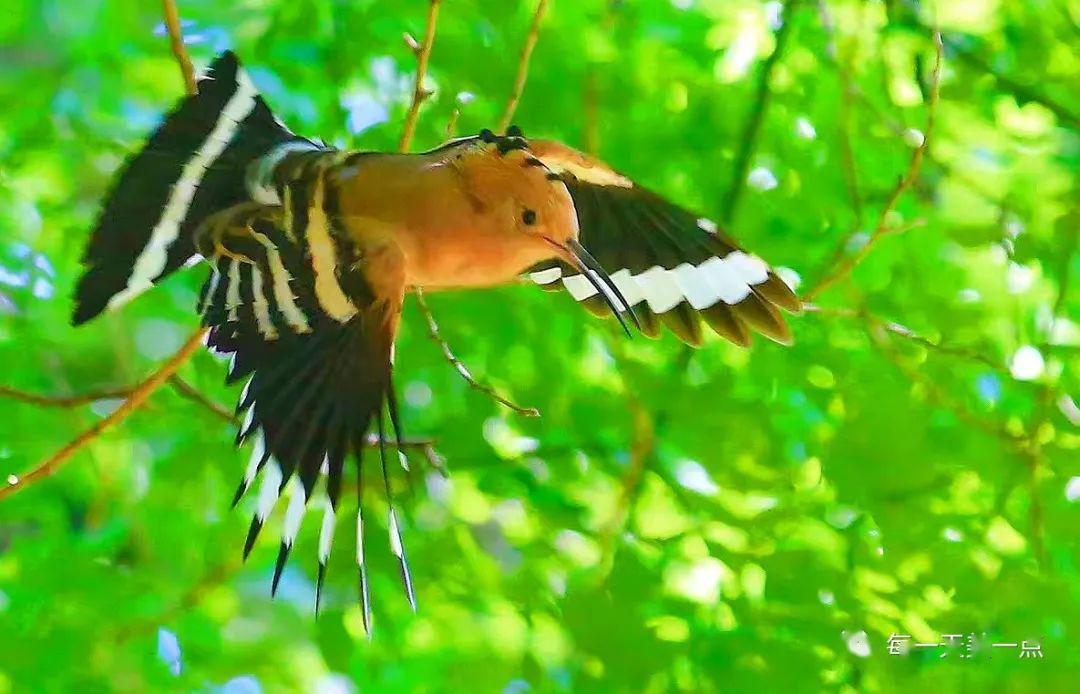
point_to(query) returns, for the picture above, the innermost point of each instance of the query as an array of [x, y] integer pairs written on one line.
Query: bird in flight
[[311, 251]]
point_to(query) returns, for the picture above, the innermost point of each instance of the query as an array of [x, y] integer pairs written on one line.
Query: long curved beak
[[575, 254]]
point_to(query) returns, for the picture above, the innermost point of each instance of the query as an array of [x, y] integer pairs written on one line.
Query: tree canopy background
[[720, 519]]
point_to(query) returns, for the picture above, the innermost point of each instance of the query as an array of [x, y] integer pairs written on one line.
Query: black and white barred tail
[[194, 165], [224, 180]]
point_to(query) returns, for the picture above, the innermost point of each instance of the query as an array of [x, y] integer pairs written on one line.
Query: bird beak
[[575, 254]]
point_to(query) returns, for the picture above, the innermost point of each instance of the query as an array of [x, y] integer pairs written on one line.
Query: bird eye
[[529, 217]]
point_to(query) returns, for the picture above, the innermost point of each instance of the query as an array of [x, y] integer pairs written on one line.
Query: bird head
[[505, 179]]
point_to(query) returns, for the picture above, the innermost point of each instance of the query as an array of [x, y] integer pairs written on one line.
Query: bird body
[[437, 209], [311, 251]]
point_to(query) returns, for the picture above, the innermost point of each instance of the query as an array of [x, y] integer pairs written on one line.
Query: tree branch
[[423, 52], [134, 401], [182, 387], [907, 333], [451, 358], [176, 41], [845, 266], [748, 142], [423, 55], [523, 67], [63, 400], [139, 395], [186, 390]]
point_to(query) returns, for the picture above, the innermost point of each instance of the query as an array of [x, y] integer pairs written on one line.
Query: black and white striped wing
[[288, 302], [673, 267]]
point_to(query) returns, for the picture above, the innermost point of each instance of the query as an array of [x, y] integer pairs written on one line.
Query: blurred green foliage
[[786, 510]]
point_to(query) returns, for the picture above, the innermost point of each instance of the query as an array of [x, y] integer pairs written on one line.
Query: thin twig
[[176, 40], [192, 393], [852, 89], [178, 384], [1024, 445], [878, 331], [844, 268], [451, 123], [647, 428], [185, 389], [448, 353], [908, 334], [523, 66], [139, 395], [748, 141], [63, 400], [423, 54], [134, 401]]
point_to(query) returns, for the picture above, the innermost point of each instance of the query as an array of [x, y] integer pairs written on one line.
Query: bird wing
[[674, 267], [291, 297]]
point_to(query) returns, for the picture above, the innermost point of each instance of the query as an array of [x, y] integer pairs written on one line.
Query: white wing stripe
[[269, 491], [729, 287], [257, 452], [153, 258], [360, 538], [748, 268], [699, 291], [326, 533], [716, 279], [282, 293], [262, 306], [630, 289], [232, 292], [661, 290], [546, 276], [294, 515], [324, 260], [395, 535], [579, 287], [215, 279]]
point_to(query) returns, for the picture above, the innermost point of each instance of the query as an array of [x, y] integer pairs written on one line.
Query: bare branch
[[523, 66], [451, 358], [182, 387], [878, 331], [451, 123], [133, 402], [748, 141], [845, 266], [423, 52], [63, 400], [423, 55], [176, 40], [903, 331], [186, 390], [138, 396]]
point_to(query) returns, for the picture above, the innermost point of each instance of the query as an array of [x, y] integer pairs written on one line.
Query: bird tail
[[197, 163]]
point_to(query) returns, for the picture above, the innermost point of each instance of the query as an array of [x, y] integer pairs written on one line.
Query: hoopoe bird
[[312, 250]]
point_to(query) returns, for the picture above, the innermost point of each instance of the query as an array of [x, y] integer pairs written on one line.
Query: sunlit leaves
[[797, 505]]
